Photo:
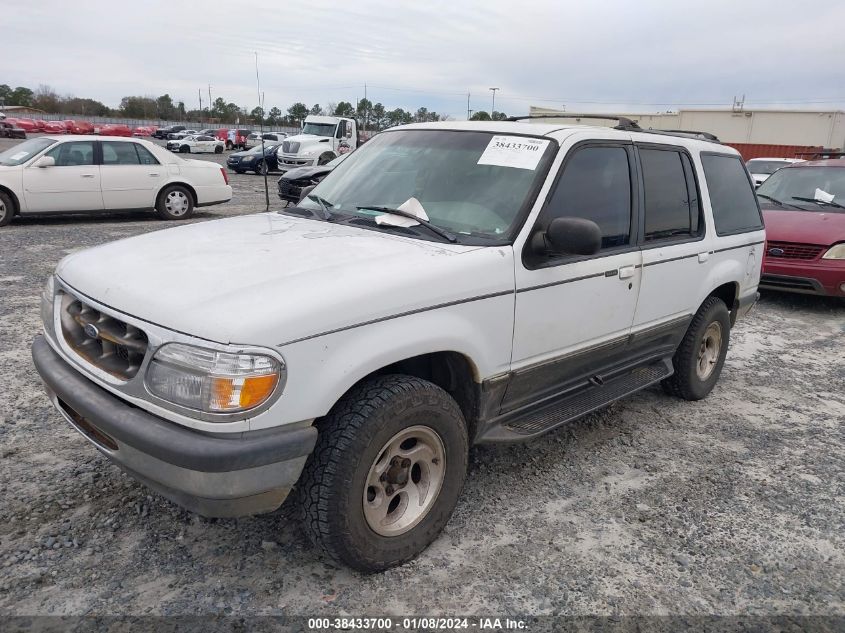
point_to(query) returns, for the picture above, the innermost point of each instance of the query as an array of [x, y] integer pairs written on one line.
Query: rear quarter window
[[735, 208]]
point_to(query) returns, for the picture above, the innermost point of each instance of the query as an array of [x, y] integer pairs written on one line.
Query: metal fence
[[191, 125]]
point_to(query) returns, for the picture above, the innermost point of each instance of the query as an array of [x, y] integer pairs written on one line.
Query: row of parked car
[[69, 126], [231, 138]]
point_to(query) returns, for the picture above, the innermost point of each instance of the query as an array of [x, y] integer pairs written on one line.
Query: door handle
[[86, 175], [626, 272], [153, 175]]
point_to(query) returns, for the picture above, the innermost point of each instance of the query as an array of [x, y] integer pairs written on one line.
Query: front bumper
[[816, 277], [211, 475]]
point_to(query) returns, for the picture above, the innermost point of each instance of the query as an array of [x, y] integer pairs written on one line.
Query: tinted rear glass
[[732, 195]]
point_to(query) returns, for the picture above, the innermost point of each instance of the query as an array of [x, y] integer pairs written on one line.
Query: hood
[[807, 227], [269, 278], [306, 172]]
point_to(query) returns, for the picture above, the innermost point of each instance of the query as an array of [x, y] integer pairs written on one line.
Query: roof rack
[[624, 122], [703, 136]]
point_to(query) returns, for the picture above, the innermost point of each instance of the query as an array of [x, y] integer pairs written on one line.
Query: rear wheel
[[218, 149], [325, 158], [175, 203], [699, 359], [229, 145], [7, 209], [386, 473]]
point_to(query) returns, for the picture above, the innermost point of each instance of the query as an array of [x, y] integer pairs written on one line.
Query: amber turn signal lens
[[229, 394]]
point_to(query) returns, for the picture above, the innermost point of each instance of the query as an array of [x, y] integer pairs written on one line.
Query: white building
[[825, 128]]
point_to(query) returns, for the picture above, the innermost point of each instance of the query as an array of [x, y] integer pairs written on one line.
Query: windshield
[[822, 183], [21, 153], [765, 166], [470, 183], [319, 129]]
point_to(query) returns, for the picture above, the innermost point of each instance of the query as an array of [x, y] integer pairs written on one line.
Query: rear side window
[[732, 195], [672, 210]]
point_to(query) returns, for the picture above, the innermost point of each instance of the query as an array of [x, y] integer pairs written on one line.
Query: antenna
[[261, 132]]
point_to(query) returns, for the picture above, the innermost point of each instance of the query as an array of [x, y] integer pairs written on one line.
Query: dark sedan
[[295, 180], [250, 160], [7, 130]]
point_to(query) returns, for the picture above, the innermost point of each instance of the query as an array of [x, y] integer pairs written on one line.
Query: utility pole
[[199, 94], [493, 108], [364, 118], [469, 112], [209, 102], [261, 131]]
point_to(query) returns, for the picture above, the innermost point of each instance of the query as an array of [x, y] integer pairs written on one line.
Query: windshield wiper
[[446, 235], [324, 206], [831, 203], [780, 203]]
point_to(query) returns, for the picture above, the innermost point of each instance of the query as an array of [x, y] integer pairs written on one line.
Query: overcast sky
[[644, 55]]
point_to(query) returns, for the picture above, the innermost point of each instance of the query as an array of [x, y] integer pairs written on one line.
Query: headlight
[[213, 381], [837, 251], [47, 295]]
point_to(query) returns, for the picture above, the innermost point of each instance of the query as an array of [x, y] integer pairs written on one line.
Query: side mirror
[[570, 236], [45, 161]]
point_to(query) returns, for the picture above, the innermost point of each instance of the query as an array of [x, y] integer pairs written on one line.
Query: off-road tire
[[685, 382], [331, 489], [162, 203], [7, 209], [325, 158]]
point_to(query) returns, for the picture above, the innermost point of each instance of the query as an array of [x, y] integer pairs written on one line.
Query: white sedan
[[75, 174], [196, 145]]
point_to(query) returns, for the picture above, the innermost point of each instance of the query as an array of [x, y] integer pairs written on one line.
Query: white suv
[[448, 284]]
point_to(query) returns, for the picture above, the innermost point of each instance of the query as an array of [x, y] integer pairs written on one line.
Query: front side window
[[465, 182], [73, 154], [671, 205], [732, 196], [596, 185], [22, 152]]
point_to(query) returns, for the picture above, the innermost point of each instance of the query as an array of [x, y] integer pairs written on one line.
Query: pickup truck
[[446, 284], [319, 142]]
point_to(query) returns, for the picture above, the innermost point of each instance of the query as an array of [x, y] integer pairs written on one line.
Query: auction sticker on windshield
[[514, 151]]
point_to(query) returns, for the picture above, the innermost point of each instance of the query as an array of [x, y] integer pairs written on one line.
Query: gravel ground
[[732, 505]]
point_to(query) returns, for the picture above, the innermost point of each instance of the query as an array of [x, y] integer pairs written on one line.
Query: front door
[[73, 184], [131, 176], [574, 313]]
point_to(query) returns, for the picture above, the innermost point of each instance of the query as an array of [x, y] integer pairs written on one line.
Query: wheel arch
[[15, 200], [180, 183]]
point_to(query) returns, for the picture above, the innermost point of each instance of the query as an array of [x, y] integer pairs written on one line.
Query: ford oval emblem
[[91, 330], [776, 252]]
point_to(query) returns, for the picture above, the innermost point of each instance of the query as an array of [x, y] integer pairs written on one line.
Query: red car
[[804, 212], [111, 129], [54, 127], [40, 124], [28, 125], [144, 130], [79, 127]]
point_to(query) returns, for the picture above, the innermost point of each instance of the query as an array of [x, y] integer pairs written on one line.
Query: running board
[[523, 425]]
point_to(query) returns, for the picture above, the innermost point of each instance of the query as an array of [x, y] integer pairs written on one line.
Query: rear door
[[73, 184], [676, 255], [131, 175]]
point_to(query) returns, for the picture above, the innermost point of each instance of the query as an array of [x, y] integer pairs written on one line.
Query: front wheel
[[325, 158], [699, 359], [175, 203], [185, 149], [218, 149], [386, 472], [262, 169]]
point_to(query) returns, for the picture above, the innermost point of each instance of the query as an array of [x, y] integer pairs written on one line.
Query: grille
[[789, 283], [107, 343], [290, 147], [794, 251]]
